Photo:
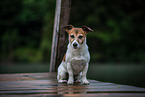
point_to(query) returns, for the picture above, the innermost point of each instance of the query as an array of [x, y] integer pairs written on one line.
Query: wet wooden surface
[[45, 84]]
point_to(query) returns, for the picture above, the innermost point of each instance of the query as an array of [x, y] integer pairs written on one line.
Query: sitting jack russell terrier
[[76, 60]]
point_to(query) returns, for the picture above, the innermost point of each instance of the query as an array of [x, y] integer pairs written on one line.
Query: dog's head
[[77, 36]]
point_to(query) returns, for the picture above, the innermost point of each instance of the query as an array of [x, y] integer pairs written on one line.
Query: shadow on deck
[[45, 84]]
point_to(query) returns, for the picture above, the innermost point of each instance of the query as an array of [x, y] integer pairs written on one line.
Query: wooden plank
[[81, 95], [46, 84], [27, 76], [55, 35], [107, 95]]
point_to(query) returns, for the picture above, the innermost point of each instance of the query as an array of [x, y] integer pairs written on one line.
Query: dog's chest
[[77, 65]]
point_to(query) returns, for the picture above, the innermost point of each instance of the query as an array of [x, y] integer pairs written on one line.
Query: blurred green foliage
[[118, 29], [26, 29]]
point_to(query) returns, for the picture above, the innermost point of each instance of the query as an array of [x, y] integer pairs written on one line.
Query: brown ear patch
[[87, 29], [68, 28]]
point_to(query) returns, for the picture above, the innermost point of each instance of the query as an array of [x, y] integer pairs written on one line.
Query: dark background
[[117, 45]]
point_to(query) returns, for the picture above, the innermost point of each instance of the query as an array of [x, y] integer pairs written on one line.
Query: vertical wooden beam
[[55, 36], [63, 36], [59, 43]]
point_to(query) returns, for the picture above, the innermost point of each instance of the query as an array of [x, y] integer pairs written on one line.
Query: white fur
[[81, 55]]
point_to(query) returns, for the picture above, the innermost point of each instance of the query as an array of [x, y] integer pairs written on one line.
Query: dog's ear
[[68, 28], [87, 29]]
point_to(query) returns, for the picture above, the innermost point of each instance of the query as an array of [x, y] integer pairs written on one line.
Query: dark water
[[123, 74]]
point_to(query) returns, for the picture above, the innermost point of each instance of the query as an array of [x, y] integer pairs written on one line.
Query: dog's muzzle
[[75, 45]]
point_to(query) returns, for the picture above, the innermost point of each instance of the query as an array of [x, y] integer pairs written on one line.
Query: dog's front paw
[[85, 82], [62, 81], [70, 82]]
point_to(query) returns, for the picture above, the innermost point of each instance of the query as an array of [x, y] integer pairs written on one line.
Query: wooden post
[[55, 36], [59, 43], [63, 36]]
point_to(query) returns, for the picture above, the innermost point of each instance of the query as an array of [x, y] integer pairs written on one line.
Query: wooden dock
[[45, 85]]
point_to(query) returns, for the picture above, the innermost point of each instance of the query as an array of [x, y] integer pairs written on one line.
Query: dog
[[75, 62]]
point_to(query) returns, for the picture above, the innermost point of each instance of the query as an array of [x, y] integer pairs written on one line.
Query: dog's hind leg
[[61, 76]]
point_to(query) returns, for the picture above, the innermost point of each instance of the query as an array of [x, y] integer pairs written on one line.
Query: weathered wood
[[63, 37], [55, 36], [59, 38], [81, 95], [45, 84]]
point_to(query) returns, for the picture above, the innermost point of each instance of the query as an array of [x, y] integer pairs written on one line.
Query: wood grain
[[45, 84], [55, 35]]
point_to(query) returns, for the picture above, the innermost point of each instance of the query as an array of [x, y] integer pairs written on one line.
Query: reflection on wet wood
[[45, 84]]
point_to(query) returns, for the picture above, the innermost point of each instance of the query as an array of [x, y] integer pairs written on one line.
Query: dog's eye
[[80, 37], [72, 36]]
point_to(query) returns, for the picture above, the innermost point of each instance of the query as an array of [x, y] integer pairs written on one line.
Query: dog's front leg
[[84, 72], [70, 73]]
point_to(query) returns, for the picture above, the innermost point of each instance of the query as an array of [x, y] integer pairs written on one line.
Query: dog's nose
[[75, 44]]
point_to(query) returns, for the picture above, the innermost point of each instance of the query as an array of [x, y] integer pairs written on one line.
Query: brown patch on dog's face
[[77, 34]]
